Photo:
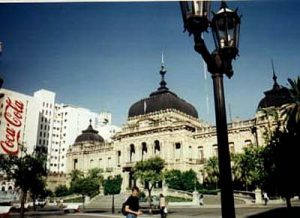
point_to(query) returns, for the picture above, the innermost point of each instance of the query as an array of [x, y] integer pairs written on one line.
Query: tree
[[291, 111], [26, 172], [112, 186], [211, 171], [281, 164], [174, 179], [189, 180], [149, 172], [96, 173], [86, 187], [186, 181], [75, 176], [61, 190], [248, 167], [37, 189]]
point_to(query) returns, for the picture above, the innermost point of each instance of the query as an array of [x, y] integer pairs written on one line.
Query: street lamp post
[[225, 28], [1, 80]]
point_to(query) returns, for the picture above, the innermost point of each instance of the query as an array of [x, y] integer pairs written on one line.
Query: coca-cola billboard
[[12, 121]]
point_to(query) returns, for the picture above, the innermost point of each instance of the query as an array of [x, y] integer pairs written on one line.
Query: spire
[[275, 85], [162, 73]]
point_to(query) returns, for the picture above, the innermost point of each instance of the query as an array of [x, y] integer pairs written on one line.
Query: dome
[[275, 97], [89, 135], [162, 99]]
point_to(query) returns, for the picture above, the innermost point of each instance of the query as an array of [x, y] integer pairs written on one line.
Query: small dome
[[275, 97], [89, 135], [162, 99]]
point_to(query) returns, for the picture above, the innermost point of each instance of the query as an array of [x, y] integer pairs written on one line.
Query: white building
[[69, 122], [45, 105], [37, 122]]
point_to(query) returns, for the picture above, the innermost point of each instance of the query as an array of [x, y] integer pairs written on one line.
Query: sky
[[105, 56]]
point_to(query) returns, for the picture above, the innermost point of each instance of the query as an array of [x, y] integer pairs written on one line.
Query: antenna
[[230, 116]]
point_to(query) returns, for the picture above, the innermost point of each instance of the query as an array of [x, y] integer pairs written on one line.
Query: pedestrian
[[163, 206], [201, 202], [132, 207], [266, 198]]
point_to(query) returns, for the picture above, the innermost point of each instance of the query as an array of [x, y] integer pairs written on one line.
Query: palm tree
[[291, 111], [76, 174], [211, 169]]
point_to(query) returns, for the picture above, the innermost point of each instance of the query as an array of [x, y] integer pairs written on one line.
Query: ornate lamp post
[[1, 80], [225, 28]]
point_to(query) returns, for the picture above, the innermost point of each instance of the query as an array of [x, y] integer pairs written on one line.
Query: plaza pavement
[[206, 211]]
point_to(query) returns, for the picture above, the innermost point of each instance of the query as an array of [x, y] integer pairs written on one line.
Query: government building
[[167, 126]]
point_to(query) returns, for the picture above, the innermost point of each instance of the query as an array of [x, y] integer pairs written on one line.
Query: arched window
[[144, 149], [156, 147], [132, 151]]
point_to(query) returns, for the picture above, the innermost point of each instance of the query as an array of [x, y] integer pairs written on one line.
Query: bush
[[209, 191], [61, 190]]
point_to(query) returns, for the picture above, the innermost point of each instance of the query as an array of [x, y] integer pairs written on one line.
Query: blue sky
[[105, 56]]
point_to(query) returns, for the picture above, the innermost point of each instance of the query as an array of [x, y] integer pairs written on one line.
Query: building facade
[[68, 123], [167, 126], [38, 123], [19, 119]]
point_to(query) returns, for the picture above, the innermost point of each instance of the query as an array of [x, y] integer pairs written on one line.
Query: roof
[[89, 135], [161, 99]]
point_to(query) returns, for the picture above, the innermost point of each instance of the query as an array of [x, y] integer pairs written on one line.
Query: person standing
[[266, 198], [162, 206], [132, 206], [201, 202]]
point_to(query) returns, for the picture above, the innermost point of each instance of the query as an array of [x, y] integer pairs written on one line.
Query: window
[[144, 149], [215, 150], [119, 157], [177, 150], [200, 153], [231, 147], [156, 147], [75, 163], [132, 151], [248, 142]]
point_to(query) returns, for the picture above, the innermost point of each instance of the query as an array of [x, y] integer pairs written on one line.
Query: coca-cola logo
[[13, 115]]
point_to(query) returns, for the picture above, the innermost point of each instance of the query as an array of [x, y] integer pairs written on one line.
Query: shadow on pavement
[[293, 212]]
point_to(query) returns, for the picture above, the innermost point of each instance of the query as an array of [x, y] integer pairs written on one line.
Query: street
[[270, 211]]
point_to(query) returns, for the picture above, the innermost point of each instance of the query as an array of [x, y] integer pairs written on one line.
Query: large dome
[[275, 97], [89, 135], [162, 99]]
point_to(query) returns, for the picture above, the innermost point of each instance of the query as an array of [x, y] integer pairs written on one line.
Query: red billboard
[[12, 121]]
